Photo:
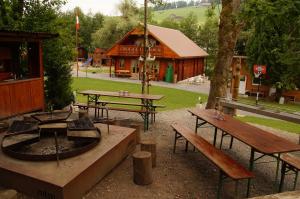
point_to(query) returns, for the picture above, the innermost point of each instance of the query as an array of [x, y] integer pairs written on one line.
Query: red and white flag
[[77, 23]]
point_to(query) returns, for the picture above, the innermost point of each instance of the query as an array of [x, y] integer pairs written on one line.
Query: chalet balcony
[[132, 50]]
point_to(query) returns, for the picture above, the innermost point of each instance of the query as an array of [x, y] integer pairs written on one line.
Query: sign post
[[259, 70]]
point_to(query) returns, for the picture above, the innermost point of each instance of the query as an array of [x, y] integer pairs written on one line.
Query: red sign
[[259, 69]]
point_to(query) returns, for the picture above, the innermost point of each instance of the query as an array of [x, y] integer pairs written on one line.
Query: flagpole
[[76, 27], [77, 51]]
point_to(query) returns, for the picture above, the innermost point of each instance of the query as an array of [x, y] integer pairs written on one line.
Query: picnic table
[[147, 107], [258, 140]]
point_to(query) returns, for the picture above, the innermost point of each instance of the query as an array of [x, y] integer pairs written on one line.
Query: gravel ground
[[184, 175]]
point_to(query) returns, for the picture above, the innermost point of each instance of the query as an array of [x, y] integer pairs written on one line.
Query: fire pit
[[28, 141], [72, 177]]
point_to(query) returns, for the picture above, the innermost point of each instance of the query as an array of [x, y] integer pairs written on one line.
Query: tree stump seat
[[142, 168]]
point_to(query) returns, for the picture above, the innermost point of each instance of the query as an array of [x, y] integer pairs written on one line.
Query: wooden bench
[[228, 167], [123, 73], [289, 163], [152, 110], [289, 98]]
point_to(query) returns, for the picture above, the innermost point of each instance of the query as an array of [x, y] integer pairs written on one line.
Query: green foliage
[[114, 29], [200, 11], [170, 23], [189, 26], [207, 38], [275, 40], [89, 23]]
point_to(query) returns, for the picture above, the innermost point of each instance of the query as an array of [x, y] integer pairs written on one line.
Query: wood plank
[[5, 105], [220, 159], [116, 94], [14, 139], [291, 160], [121, 103], [262, 141], [83, 134], [53, 126], [37, 94]]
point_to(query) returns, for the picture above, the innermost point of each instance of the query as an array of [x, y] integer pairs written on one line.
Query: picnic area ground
[[183, 175]]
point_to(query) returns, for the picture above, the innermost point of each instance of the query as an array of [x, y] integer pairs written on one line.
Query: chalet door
[[242, 87], [134, 66]]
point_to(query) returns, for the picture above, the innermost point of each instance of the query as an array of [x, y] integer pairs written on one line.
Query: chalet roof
[[26, 35], [177, 41]]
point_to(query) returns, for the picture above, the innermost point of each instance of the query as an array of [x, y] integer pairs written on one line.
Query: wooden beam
[[295, 118]]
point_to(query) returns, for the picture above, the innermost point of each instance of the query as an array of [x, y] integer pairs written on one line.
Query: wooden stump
[[150, 146], [137, 127], [142, 168]]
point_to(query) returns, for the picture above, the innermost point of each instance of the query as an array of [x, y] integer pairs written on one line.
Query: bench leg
[[296, 179], [186, 146], [251, 164], [231, 142], [221, 140], [175, 140], [283, 168], [220, 184], [215, 136]]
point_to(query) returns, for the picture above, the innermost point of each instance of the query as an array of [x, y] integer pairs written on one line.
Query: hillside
[[182, 12]]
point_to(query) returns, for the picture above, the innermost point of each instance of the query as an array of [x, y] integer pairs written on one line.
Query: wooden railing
[[132, 50]]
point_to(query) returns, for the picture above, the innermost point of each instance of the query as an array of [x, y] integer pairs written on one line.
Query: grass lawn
[[276, 124], [182, 12], [174, 98]]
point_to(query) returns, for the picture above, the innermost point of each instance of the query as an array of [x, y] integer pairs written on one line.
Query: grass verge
[[173, 98]]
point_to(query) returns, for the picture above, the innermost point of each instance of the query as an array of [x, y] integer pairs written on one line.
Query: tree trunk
[[229, 29]]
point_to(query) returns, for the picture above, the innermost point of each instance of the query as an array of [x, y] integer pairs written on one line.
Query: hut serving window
[[19, 60]]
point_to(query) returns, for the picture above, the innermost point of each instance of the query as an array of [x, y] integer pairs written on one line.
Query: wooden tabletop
[[123, 95], [262, 141]]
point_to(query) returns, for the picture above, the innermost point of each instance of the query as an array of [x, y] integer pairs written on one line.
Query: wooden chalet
[[249, 84], [21, 72], [100, 58], [170, 47], [82, 54]]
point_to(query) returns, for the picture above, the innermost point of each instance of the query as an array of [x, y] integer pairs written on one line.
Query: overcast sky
[[107, 7]]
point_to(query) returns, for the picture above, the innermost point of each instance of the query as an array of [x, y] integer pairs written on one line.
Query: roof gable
[[177, 42], [173, 39]]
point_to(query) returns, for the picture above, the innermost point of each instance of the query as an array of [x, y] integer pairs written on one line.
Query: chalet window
[[122, 64], [155, 67]]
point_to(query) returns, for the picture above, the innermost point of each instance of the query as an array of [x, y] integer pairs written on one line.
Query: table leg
[[282, 177], [220, 185], [251, 164], [196, 127], [277, 167], [215, 136], [196, 130]]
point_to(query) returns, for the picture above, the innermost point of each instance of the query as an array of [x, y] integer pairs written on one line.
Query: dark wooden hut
[[170, 47], [21, 72]]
